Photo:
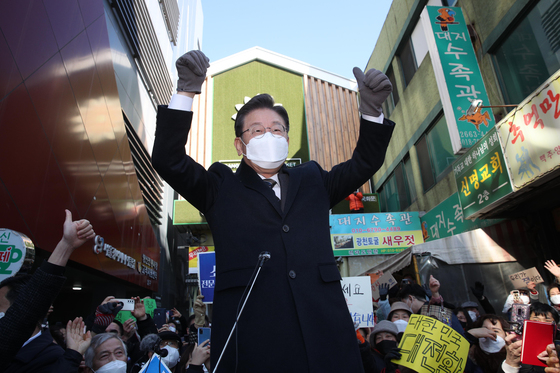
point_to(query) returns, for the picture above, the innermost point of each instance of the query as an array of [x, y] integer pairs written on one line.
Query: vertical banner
[[457, 74], [429, 345], [482, 176], [207, 275], [357, 292]]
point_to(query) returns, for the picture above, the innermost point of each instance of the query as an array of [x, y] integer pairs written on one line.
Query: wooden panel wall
[[333, 123]]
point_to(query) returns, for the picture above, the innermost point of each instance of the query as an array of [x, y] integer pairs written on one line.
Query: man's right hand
[[191, 69], [513, 350]]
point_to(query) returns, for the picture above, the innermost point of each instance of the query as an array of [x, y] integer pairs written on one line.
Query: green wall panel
[[231, 87]]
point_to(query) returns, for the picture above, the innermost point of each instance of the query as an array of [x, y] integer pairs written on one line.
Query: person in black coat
[[297, 300]]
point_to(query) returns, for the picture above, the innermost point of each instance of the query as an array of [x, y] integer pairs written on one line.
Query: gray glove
[[191, 68], [374, 88]]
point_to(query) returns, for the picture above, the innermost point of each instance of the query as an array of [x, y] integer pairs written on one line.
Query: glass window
[[393, 99], [398, 192], [408, 62], [388, 195], [531, 53], [409, 178], [435, 153]]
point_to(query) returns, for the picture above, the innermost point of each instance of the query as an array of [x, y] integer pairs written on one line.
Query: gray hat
[[384, 326], [469, 304], [399, 306]]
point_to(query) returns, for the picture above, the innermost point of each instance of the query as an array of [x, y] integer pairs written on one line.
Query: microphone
[[151, 342], [263, 257]]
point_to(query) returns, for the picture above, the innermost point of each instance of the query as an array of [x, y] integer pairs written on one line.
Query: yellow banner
[[193, 256], [429, 345]]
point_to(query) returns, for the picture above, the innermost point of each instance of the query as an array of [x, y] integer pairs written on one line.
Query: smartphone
[[203, 335], [519, 313], [128, 304], [160, 317], [516, 296]]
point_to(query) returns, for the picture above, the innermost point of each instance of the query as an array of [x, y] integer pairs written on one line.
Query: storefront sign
[[16, 251], [457, 74], [446, 219], [357, 292], [147, 267], [481, 175], [374, 234], [530, 134]]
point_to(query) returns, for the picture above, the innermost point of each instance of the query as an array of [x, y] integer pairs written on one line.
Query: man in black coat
[[296, 318]]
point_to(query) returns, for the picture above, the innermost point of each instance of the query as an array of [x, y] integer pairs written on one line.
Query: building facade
[[516, 51], [79, 87]]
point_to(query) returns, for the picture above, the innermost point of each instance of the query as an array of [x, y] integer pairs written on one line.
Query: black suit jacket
[[296, 318]]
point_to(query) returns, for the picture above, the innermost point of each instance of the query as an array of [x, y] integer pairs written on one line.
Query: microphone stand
[[263, 257]]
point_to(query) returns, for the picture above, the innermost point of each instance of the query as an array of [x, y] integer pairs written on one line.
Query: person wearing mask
[[265, 205], [399, 315], [525, 297], [489, 350], [472, 309], [554, 296], [381, 349], [106, 354]]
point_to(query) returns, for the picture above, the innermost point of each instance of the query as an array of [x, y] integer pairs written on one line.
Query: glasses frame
[[266, 129]]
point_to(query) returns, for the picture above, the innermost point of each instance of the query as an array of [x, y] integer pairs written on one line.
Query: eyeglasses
[[258, 130]]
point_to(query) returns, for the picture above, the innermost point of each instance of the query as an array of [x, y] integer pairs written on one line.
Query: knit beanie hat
[[383, 326]]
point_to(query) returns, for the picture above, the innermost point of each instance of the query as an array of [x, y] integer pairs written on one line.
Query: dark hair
[[262, 101], [412, 289], [16, 284], [552, 286], [120, 325], [493, 319], [541, 309]]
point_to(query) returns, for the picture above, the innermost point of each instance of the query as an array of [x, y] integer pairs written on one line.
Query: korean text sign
[[207, 275], [374, 234], [429, 345], [522, 278], [457, 74], [481, 175], [357, 292], [530, 134], [193, 256], [446, 219]]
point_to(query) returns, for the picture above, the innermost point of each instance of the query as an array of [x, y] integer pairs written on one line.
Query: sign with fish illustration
[[458, 75]]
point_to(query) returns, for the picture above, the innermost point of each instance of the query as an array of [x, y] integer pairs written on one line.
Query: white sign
[[357, 292], [15, 250]]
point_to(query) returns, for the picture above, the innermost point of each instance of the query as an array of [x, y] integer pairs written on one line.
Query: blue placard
[[155, 365], [207, 275]]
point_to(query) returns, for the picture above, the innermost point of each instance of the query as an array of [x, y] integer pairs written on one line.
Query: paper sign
[[149, 306], [155, 365], [387, 278], [429, 345], [193, 256], [207, 275], [357, 292], [522, 278], [16, 251]]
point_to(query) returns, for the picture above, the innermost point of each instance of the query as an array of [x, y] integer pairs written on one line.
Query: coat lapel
[[289, 193], [251, 180]]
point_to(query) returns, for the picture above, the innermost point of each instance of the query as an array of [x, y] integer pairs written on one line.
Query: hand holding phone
[[128, 304], [203, 335]]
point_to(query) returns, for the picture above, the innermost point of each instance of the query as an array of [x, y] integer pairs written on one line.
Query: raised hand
[[374, 88], [191, 68], [76, 339]]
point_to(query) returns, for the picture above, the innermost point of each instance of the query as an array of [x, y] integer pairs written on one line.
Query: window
[[393, 99], [408, 61], [435, 153], [531, 53], [398, 192]]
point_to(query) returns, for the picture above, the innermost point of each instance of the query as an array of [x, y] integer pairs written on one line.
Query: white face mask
[[489, 346], [115, 366], [172, 357], [473, 316], [525, 299], [555, 299], [268, 151], [401, 325]]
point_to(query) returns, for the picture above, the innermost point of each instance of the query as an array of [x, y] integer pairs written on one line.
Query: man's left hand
[[374, 88]]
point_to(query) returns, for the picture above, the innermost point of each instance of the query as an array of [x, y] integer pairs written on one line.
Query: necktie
[[270, 182]]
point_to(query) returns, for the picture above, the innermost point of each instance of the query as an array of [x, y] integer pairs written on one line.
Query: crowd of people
[[495, 338]]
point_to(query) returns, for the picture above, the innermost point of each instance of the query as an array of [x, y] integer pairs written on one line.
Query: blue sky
[[332, 35]]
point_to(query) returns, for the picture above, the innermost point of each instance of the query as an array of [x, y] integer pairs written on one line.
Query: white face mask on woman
[[268, 152], [401, 325], [115, 366], [172, 357], [555, 299], [489, 346]]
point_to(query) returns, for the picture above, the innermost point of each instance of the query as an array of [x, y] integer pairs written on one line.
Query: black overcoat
[[296, 319]]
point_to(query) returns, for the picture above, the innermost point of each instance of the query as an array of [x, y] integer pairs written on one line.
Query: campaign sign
[[522, 278], [16, 250], [149, 306], [155, 365], [207, 275], [428, 345], [357, 292]]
